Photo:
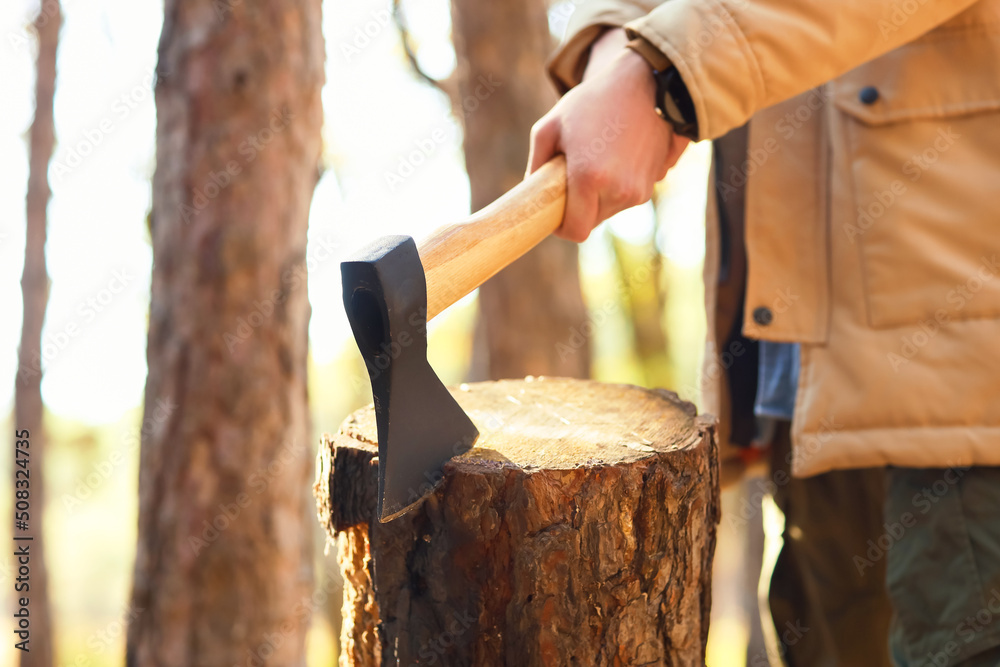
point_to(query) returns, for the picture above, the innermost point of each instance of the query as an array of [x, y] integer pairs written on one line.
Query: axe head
[[420, 425]]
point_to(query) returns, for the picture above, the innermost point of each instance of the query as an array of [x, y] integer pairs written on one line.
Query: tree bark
[[28, 407], [579, 531], [529, 311], [223, 571]]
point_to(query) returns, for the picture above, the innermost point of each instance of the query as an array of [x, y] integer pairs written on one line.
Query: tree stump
[[579, 531]]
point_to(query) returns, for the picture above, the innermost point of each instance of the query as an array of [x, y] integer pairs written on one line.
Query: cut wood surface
[[578, 531]]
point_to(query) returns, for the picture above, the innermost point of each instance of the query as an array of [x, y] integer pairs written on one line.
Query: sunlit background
[[99, 260]]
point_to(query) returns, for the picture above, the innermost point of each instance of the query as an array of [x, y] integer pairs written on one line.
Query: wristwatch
[[673, 101]]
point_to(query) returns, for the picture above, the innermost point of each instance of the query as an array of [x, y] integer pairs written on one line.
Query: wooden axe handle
[[460, 257]]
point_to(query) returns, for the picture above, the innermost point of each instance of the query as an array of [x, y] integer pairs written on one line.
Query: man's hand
[[616, 146]]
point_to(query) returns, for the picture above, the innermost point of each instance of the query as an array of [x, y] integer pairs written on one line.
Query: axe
[[393, 287]]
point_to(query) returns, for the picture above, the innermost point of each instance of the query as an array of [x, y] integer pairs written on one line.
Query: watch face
[[674, 103], [666, 107], [671, 110]]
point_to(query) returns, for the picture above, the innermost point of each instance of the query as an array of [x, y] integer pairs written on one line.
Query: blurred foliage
[[640, 276]]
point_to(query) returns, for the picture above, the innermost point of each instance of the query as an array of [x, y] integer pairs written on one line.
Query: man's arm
[[735, 57], [616, 145]]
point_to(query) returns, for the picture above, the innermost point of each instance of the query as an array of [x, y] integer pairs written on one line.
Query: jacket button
[[762, 316], [868, 95]]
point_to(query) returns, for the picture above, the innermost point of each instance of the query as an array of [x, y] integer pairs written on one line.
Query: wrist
[[604, 50], [672, 99], [632, 67], [652, 55]]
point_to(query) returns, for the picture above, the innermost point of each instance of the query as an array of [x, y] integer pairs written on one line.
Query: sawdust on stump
[[579, 531]]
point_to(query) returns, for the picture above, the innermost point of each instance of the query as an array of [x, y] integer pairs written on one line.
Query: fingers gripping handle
[[460, 257]]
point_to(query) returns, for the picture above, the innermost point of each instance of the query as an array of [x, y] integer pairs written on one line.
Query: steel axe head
[[420, 424]]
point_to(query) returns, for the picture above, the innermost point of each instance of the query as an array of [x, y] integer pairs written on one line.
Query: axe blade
[[420, 424]]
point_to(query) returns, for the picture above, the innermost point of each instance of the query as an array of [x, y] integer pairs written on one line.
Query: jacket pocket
[[923, 133]]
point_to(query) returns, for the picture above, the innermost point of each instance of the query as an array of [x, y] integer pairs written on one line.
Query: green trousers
[[943, 574], [886, 568]]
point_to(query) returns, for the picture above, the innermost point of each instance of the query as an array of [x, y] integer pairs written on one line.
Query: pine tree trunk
[[223, 571], [28, 408], [579, 531], [530, 308]]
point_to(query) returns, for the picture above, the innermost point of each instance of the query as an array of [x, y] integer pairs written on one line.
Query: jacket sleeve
[[587, 22], [739, 56]]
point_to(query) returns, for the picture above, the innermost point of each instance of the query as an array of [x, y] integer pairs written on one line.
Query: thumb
[[545, 136]]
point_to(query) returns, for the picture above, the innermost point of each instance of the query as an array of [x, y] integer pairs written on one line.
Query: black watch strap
[[673, 101]]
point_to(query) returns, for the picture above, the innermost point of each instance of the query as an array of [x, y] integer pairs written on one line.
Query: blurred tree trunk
[[530, 314], [28, 406], [640, 270], [223, 571]]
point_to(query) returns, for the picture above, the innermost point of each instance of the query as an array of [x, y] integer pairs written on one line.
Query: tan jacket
[[872, 212]]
